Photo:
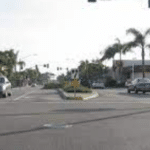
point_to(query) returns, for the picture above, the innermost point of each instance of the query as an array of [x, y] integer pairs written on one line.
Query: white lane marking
[[57, 126], [22, 116], [22, 96]]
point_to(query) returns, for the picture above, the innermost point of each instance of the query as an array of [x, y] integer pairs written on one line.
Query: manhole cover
[[57, 126]]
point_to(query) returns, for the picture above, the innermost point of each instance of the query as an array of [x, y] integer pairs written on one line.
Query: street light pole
[[133, 71]]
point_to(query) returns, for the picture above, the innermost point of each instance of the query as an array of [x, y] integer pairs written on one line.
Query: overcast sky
[[64, 32]]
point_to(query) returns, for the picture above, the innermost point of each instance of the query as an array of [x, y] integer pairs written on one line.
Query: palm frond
[[118, 40], [133, 31], [127, 47], [147, 32]]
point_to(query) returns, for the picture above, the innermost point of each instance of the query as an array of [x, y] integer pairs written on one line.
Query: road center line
[[22, 96]]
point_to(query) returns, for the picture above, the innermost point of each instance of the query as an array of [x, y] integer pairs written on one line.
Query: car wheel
[[135, 89], [5, 95], [10, 93], [128, 91], [143, 92]]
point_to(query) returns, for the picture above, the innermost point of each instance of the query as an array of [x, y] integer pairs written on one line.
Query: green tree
[[89, 72], [139, 41], [21, 64]]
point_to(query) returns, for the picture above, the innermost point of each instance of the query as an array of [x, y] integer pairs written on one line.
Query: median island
[[72, 90]]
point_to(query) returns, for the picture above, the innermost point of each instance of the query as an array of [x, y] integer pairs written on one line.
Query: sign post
[[74, 76]]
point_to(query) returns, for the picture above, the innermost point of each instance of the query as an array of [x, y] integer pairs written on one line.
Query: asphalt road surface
[[37, 119]]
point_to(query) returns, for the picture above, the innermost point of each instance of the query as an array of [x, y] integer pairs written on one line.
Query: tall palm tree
[[16, 56], [139, 41]]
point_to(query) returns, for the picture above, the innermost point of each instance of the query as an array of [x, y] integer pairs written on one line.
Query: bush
[[80, 89], [110, 82], [52, 86]]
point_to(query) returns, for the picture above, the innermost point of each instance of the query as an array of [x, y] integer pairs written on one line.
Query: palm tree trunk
[[120, 55], [143, 63], [120, 67]]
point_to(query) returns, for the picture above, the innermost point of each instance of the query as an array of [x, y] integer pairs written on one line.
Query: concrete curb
[[92, 96], [62, 93], [65, 96]]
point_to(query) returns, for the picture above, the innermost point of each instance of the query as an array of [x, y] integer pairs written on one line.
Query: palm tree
[[21, 64], [16, 56], [139, 41]]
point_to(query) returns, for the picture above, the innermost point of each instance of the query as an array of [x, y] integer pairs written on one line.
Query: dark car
[[139, 84]]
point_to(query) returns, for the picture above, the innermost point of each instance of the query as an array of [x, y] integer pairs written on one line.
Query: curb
[[65, 96], [92, 96]]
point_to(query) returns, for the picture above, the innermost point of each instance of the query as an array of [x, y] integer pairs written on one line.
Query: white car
[[5, 87], [33, 85], [98, 85], [127, 83]]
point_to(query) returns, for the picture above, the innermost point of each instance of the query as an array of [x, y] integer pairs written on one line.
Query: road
[[37, 119]]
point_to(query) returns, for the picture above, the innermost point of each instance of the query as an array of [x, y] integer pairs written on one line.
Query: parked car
[[98, 85], [139, 84], [127, 83], [5, 87], [33, 85]]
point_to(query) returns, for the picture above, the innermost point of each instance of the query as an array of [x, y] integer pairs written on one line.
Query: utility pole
[[133, 71]]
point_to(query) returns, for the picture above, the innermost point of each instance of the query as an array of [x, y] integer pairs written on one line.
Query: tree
[[139, 41], [89, 72], [21, 64], [16, 56]]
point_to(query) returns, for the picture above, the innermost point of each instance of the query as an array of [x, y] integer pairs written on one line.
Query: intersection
[[39, 119]]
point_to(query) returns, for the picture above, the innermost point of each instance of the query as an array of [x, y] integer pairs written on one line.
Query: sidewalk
[[79, 96]]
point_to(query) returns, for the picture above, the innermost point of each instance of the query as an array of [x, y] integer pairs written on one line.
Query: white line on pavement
[[22, 96]]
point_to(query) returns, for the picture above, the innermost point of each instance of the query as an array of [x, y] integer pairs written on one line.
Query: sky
[[64, 32]]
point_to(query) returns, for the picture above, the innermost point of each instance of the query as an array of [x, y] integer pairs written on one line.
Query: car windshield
[[1, 80]]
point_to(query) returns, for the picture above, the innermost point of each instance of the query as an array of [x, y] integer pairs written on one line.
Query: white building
[[47, 77], [130, 69]]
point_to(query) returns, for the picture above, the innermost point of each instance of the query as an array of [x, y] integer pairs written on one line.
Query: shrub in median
[[52, 85], [80, 89]]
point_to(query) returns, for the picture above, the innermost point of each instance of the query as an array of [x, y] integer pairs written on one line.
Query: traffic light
[[47, 65], [44, 65], [91, 1], [57, 68]]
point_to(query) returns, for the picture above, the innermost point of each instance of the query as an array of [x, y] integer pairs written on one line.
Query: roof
[[48, 73], [131, 62]]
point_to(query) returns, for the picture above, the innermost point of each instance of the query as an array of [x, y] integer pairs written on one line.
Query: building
[[46, 77], [129, 70]]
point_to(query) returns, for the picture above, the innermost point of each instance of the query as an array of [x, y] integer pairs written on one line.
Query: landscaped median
[[79, 96]]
